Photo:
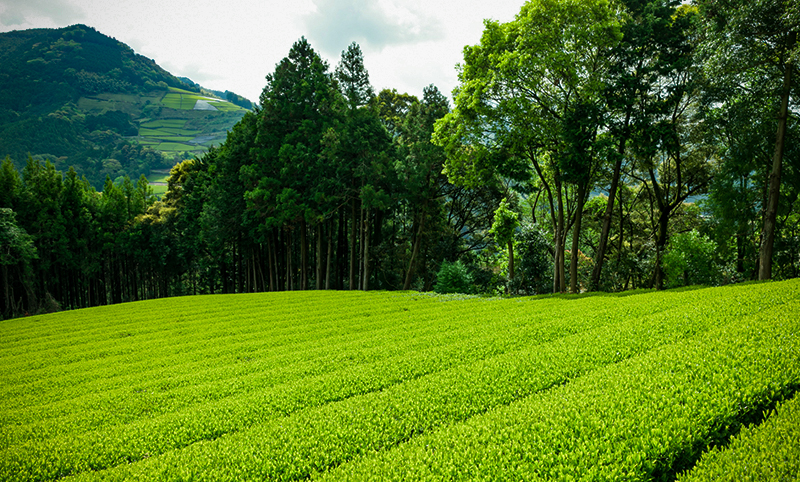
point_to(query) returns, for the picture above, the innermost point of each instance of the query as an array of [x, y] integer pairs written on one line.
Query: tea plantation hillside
[[400, 386]]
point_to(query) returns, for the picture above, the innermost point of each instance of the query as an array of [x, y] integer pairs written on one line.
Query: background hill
[[79, 98]]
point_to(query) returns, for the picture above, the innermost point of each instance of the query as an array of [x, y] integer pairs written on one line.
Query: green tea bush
[[642, 419], [766, 452], [360, 385]]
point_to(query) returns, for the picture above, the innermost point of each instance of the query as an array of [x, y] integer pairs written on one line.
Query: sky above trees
[[407, 44]]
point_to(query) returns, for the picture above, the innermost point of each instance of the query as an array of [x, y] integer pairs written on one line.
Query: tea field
[[173, 121], [407, 386]]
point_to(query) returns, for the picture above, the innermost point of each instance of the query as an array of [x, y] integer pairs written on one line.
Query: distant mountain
[[79, 98]]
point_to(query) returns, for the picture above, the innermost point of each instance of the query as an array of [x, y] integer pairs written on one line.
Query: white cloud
[[407, 44], [28, 12], [374, 25]]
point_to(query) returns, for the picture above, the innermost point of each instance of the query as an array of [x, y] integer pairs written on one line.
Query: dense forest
[[592, 146]]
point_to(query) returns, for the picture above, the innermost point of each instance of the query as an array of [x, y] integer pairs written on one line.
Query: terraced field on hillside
[[172, 121], [396, 386]]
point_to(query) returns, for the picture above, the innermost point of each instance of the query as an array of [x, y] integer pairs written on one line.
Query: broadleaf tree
[[518, 91], [745, 36]]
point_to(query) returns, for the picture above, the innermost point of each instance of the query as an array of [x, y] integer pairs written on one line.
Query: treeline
[[655, 104], [590, 147], [326, 186], [64, 245]]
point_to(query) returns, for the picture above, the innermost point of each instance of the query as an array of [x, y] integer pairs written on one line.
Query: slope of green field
[[770, 451], [405, 386]]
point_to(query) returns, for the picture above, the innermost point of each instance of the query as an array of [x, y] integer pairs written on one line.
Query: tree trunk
[[223, 272], [353, 232], [559, 278], [768, 233], [235, 268], [240, 260], [377, 240], [661, 242], [329, 256], [361, 234], [6, 294], [594, 283], [510, 264], [556, 250], [576, 234], [414, 254], [303, 255], [270, 265], [621, 240], [341, 250], [365, 282], [318, 281], [289, 283]]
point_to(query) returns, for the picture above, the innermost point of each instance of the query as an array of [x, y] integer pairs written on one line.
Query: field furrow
[[769, 451], [642, 420]]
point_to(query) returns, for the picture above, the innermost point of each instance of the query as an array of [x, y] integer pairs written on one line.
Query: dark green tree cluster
[[336, 187], [325, 186], [64, 245], [620, 125], [592, 146]]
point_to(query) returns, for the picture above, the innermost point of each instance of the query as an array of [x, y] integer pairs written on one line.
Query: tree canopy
[[591, 145]]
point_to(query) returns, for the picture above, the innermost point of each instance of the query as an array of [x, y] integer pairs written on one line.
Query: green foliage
[[16, 245], [578, 134], [353, 77], [237, 99], [503, 227], [690, 260], [17, 252], [453, 278], [505, 223], [75, 98], [535, 275], [359, 386], [769, 451], [530, 105], [299, 106], [750, 50], [10, 184]]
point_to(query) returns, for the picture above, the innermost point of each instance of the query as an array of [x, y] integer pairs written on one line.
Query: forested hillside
[[80, 99], [590, 147]]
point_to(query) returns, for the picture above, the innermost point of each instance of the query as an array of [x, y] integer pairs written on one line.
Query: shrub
[[536, 263], [689, 260], [453, 278]]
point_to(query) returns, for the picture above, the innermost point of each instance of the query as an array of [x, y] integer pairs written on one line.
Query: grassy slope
[[288, 385]]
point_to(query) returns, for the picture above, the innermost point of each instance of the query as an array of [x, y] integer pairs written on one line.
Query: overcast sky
[[407, 44]]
